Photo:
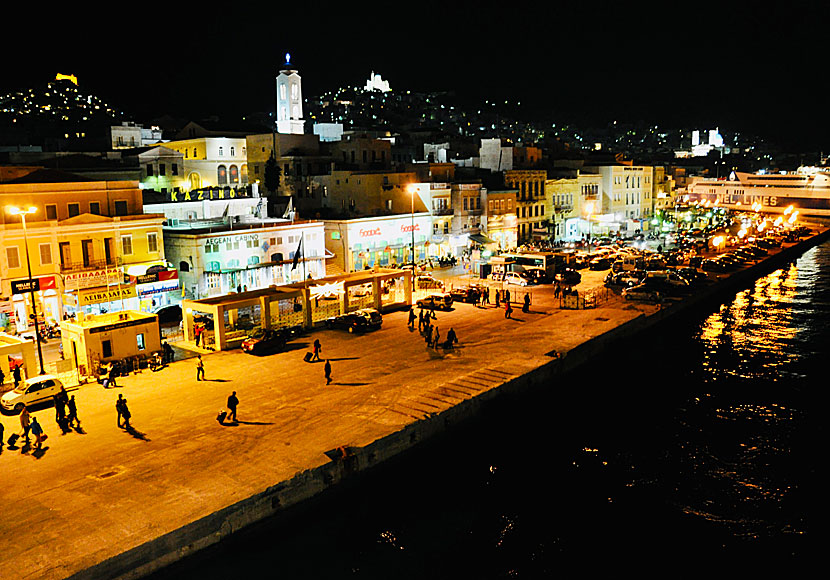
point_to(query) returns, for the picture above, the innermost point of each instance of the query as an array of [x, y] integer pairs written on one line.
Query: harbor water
[[695, 446]]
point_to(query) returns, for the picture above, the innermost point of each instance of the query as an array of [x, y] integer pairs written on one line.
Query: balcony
[[88, 265], [443, 211]]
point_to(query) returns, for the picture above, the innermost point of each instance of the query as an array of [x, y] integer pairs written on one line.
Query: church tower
[[289, 100]]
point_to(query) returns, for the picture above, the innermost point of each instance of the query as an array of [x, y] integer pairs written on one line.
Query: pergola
[[300, 304]]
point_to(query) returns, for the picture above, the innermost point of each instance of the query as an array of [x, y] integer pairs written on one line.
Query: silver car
[[641, 292], [32, 391]]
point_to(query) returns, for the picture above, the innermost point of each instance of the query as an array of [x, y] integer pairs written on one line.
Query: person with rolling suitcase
[[221, 416]]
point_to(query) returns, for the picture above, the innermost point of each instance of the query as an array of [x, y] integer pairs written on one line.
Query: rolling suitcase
[[13, 439], [307, 357], [221, 416]]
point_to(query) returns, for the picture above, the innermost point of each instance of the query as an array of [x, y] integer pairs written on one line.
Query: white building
[[289, 100], [328, 132], [128, 135], [215, 259], [375, 83], [626, 198], [494, 157], [213, 161]]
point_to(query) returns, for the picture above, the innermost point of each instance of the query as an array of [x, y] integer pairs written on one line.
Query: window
[[174, 169], [45, 254], [74, 209], [222, 175], [94, 208], [184, 266], [121, 207], [106, 347], [162, 169], [149, 170], [139, 339], [126, 245], [13, 257], [233, 151], [220, 152], [51, 212], [152, 242]]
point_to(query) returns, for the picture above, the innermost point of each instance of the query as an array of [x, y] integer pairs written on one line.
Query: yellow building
[[213, 161], [87, 245]]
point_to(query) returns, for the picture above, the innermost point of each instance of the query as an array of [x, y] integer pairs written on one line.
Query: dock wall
[[309, 484]]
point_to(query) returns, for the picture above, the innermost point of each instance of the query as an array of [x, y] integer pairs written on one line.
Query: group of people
[[17, 376], [430, 332], [66, 411], [30, 426]]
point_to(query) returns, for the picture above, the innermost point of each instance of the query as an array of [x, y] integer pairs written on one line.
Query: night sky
[[739, 67]]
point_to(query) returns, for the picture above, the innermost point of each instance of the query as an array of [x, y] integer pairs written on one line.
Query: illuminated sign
[[206, 194], [335, 288], [92, 278], [369, 233], [106, 295]]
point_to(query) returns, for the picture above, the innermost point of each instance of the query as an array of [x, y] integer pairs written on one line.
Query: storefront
[[383, 241], [18, 312]]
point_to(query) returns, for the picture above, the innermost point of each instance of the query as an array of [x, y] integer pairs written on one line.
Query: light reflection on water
[[697, 445]]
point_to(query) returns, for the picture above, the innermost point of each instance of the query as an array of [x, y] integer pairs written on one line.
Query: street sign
[[21, 286]]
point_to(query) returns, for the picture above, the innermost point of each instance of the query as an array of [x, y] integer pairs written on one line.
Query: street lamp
[[412, 191], [22, 213]]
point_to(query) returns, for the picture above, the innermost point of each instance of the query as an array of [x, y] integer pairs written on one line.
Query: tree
[[272, 175]]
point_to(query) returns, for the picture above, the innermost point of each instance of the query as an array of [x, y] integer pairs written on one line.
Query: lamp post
[[412, 190], [22, 213]]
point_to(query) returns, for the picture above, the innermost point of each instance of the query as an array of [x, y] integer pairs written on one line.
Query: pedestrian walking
[[451, 339], [72, 415], [526, 307], [60, 412], [508, 310], [487, 295], [327, 369], [200, 368], [113, 374], [168, 352], [232, 404], [507, 295], [25, 422], [436, 337], [421, 321], [16, 376], [497, 298], [411, 322], [125, 413], [2, 382], [428, 333], [317, 348], [119, 408], [197, 331], [37, 431]]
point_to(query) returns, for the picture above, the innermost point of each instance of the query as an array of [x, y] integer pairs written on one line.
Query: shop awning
[[478, 238]]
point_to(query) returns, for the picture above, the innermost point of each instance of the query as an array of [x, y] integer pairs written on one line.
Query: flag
[[298, 254]]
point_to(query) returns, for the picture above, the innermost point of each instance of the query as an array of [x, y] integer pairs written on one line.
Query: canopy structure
[[478, 238]]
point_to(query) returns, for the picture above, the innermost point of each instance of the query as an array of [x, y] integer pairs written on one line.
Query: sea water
[[697, 446]]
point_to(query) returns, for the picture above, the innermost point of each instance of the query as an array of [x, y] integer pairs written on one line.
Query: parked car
[[626, 279], [600, 263], [169, 314], [516, 279], [33, 390], [428, 283], [357, 321], [264, 341], [568, 276], [468, 294], [536, 275], [692, 275], [641, 292], [441, 301]]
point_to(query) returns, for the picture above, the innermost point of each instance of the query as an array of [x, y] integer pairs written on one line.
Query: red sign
[[415, 228], [368, 233]]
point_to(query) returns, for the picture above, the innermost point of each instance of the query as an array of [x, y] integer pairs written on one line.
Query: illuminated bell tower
[[289, 100]]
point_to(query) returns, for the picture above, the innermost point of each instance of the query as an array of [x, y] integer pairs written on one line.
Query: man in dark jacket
[[232, 403]]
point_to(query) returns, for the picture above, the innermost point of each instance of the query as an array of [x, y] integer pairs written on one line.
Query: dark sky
[[735, 65]]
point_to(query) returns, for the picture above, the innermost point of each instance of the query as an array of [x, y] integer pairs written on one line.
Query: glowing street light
[[23, 213]]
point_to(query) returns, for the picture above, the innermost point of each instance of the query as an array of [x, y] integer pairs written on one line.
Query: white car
[[641, 292], [33, 390], [515, 278]]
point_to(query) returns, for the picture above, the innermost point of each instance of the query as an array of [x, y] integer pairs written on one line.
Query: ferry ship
[[806, 190]]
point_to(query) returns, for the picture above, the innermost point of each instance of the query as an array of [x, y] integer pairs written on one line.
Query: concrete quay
[[102, 502]]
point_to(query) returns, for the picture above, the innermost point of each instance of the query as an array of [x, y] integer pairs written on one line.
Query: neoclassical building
[[213, 161]]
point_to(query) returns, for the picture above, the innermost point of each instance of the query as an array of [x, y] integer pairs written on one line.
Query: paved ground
[[100, 490]]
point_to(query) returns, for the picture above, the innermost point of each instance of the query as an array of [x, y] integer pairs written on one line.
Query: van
[[626, 263]]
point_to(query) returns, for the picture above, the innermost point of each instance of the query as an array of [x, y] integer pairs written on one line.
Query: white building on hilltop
[[375, 83]]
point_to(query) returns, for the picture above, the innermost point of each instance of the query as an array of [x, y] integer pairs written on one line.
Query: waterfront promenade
[[103, 502]]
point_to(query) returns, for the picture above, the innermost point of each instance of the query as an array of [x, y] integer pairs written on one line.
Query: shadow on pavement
[[136, 433]]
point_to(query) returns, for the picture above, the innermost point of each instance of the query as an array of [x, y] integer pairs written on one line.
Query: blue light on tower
[[287, 58]]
